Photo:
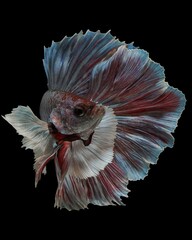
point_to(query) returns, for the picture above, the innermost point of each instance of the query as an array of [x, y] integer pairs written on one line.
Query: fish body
[[107, 115]]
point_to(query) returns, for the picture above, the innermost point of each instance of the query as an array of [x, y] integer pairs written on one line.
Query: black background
[[160, 204]]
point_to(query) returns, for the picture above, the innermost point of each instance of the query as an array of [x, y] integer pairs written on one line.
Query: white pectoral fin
[[35, 133], [23, 120], [88, 161]]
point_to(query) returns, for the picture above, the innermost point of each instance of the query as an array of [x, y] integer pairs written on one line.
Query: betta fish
[[107, 115]]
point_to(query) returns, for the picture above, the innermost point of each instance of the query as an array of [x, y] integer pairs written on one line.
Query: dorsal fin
[[68, 63]]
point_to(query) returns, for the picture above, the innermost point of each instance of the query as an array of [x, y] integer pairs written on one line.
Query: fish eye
[[79, 111]]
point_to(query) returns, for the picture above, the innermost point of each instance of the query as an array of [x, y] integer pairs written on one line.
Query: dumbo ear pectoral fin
[[25, 122], [36, 135]]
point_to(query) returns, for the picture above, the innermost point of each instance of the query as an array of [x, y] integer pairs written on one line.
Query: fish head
[[76, 115]]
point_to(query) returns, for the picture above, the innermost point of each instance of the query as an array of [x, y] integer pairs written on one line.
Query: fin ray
[[68, 63]]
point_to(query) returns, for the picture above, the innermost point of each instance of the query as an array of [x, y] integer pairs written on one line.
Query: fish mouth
[[58, 125]]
